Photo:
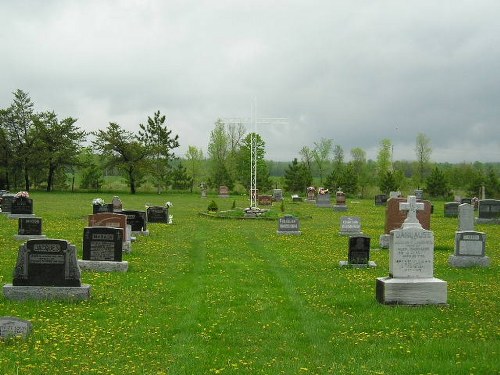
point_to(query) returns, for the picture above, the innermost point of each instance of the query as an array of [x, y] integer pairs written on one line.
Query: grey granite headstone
[[350, 225], [289, 225], [465, 217], [470, 250], [29, 228], [11, 326]]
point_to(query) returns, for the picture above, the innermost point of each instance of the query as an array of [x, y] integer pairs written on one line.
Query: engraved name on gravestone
[[451, 209], [29, 226], [11, 327], [359, 250], [288, 225], [350, 225], [465, 217], [47, 262], [103, 244], [157, 214], [7, 202], [22, 206], [470, 243]]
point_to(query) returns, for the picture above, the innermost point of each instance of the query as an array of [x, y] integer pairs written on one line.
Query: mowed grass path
[[231, 296]]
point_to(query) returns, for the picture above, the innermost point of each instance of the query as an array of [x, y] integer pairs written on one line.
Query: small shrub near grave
[[212, 207]]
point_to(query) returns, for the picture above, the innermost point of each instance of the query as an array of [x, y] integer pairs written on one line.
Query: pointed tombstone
[[411, 264]]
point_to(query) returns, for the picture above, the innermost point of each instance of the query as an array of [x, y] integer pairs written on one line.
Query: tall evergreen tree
[[297, 177]]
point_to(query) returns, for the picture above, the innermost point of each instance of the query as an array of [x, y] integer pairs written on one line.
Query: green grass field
[[216, 296]]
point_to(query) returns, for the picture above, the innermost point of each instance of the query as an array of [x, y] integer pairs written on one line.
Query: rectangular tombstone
[[411, 253], [223, 192], [47, 262], [380, 200], [103, 244], [157, 214], [136, 220], [12, 327], [489, 209], [359, 250], [288, 225], [350, 225], [265, 200], [451, 209], [323, 200], [109, 220], [7, 202], [99, 208], [29, 226], [22, 206], [394, 217], [465, 217], [470, 243], [277, 195]]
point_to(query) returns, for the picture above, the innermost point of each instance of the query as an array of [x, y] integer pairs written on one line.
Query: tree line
[[38, 150]]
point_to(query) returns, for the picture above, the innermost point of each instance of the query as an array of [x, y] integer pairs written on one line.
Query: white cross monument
[[412, 206]]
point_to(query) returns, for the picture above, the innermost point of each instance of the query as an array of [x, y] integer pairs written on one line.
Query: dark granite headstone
[[489, 209], [103, 244], [451, 209], [359, 250], [7, 202], [29, 226], [157, 214], [98, 208], [22, 206], [380, 200], [136, 220], [47, 262]]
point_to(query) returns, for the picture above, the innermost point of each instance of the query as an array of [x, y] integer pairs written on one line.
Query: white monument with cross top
[[412, 206]]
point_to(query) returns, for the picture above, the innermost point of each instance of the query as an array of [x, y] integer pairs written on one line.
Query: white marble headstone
[[465, 217]]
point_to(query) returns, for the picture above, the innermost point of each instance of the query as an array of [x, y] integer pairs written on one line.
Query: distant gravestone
[[394, 218], [394, 194], [223, 191], [157, 214], [29, 228], [47, 269], [451, 209], [100, 208], [419, 194], [277, 195], [7, 202], [137, 221], [411, 264], [311, 194], [489, 211], [296, 198], [323, 200], [111, 219], [470, 250], [466, 200], [380, 200], [265, 200], [289, 225], [340, 201], [117, 204], [14, 327], [350, 226], [103, 249], [359, 252], [21, 207], [465, 217]]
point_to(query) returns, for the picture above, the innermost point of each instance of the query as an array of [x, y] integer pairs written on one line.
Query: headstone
[[265, 200], [394, 218], [340, 201], [350, 226], [21, 207], [117, 204], [29, 228], [7, 202], [311, 194], [289, 225], [359, 252], [203, 188], [323, 200], [465, 217], [380, 200], [277, 195], [223, 192], [296, 198], [451, 209], [466, 200], [470, 250], [419, 194], [489, 211], [157, 214], [11, 326], [411, 278], [394, 194], [115, 220], [99, 208], [103, 249], [137, 221]]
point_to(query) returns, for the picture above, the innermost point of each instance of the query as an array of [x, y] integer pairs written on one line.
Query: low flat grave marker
[[103, 250], [359, 253], [411, 264], [289, 225], [29, 228], [11, 326], [47, 269]]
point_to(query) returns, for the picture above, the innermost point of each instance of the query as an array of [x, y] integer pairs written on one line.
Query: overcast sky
[[353, 71]]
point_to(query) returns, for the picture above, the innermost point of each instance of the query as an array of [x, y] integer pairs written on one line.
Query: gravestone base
[[480, 220], [102, 265], [17, 216], [140, 233], [345, 263], [26, 237], [384, 241], [340, 207], [288, 232], [463, 261], [23, 293], [355, 234], [411, 291]]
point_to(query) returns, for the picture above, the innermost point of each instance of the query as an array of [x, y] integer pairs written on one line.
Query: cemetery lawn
[[206, 296]]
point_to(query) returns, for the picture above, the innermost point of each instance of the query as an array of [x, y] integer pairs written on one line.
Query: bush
[[212, 207]]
